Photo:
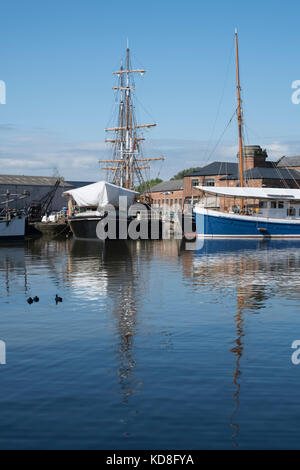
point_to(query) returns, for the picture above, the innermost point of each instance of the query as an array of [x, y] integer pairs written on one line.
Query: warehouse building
[[37, 188]]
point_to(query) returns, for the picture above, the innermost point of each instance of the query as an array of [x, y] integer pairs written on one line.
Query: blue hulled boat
[[243, 211], [271, 213]]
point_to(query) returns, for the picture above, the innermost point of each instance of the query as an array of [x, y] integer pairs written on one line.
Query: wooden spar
[[240, 119], [148, 159], [119, 140], [124, 128], [111, 161], [110, 168], [115, 129], [136, 160], [145, 125], [119, 72], [118, 168], [123, 88]]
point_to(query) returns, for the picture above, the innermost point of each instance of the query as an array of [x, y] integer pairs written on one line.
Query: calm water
[[153, 346]]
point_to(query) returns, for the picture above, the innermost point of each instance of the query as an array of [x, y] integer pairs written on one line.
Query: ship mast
[[126, 141], [240, 119]]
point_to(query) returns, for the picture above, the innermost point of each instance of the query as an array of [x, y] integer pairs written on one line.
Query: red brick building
[[258, 172]]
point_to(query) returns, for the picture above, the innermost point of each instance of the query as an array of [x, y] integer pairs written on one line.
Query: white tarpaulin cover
[[100, 194], [253, 193]]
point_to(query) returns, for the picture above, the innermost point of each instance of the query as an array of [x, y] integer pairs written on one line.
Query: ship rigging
[[128, 162]]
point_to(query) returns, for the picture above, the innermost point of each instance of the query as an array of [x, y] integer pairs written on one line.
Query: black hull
[[84, 228], [17, 238]]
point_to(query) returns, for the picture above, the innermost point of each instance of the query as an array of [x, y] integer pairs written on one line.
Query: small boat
[[12, 227], [271, 213], [12, 221]]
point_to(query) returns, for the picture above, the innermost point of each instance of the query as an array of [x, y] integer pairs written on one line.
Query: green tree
[[182, 173], [147, 185]]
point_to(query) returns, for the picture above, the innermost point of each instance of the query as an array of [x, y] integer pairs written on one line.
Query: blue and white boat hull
[[214, 224]]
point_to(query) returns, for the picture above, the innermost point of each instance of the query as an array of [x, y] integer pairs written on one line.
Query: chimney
[[254, 156]]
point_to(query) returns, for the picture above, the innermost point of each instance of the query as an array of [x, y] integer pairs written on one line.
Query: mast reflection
[[253, 270], [237, 350], [125, 311], [12, 263], [109, 269]]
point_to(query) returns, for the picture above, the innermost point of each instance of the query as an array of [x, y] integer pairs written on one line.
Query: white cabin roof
[[253, 193]]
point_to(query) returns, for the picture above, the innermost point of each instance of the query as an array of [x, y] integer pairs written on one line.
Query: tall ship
[[125, 170], [248, 212]]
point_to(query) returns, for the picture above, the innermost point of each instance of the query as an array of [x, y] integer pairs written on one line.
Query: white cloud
[[37, 152]]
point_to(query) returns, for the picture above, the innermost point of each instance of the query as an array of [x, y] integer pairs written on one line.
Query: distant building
[[209, 175], [258, 172], [289, 162], [168, 193], [38, 187]]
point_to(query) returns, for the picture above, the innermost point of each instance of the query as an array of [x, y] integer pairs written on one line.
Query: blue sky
[[57, 59]]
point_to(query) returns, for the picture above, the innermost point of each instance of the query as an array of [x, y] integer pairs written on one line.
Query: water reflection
[[110, 270], [112, 283], [254, 270], [237, 351], [12, 264]]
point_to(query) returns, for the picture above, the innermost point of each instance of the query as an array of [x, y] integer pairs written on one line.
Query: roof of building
[[31, 180], [288, 161], [267, 173], [173, 185], [216, 168], [79, 184]]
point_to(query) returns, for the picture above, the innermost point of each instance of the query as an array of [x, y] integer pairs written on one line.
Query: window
[[273, 205], [263, 204], [209, 182], [291, 211], [195, 182], [280, 204]]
